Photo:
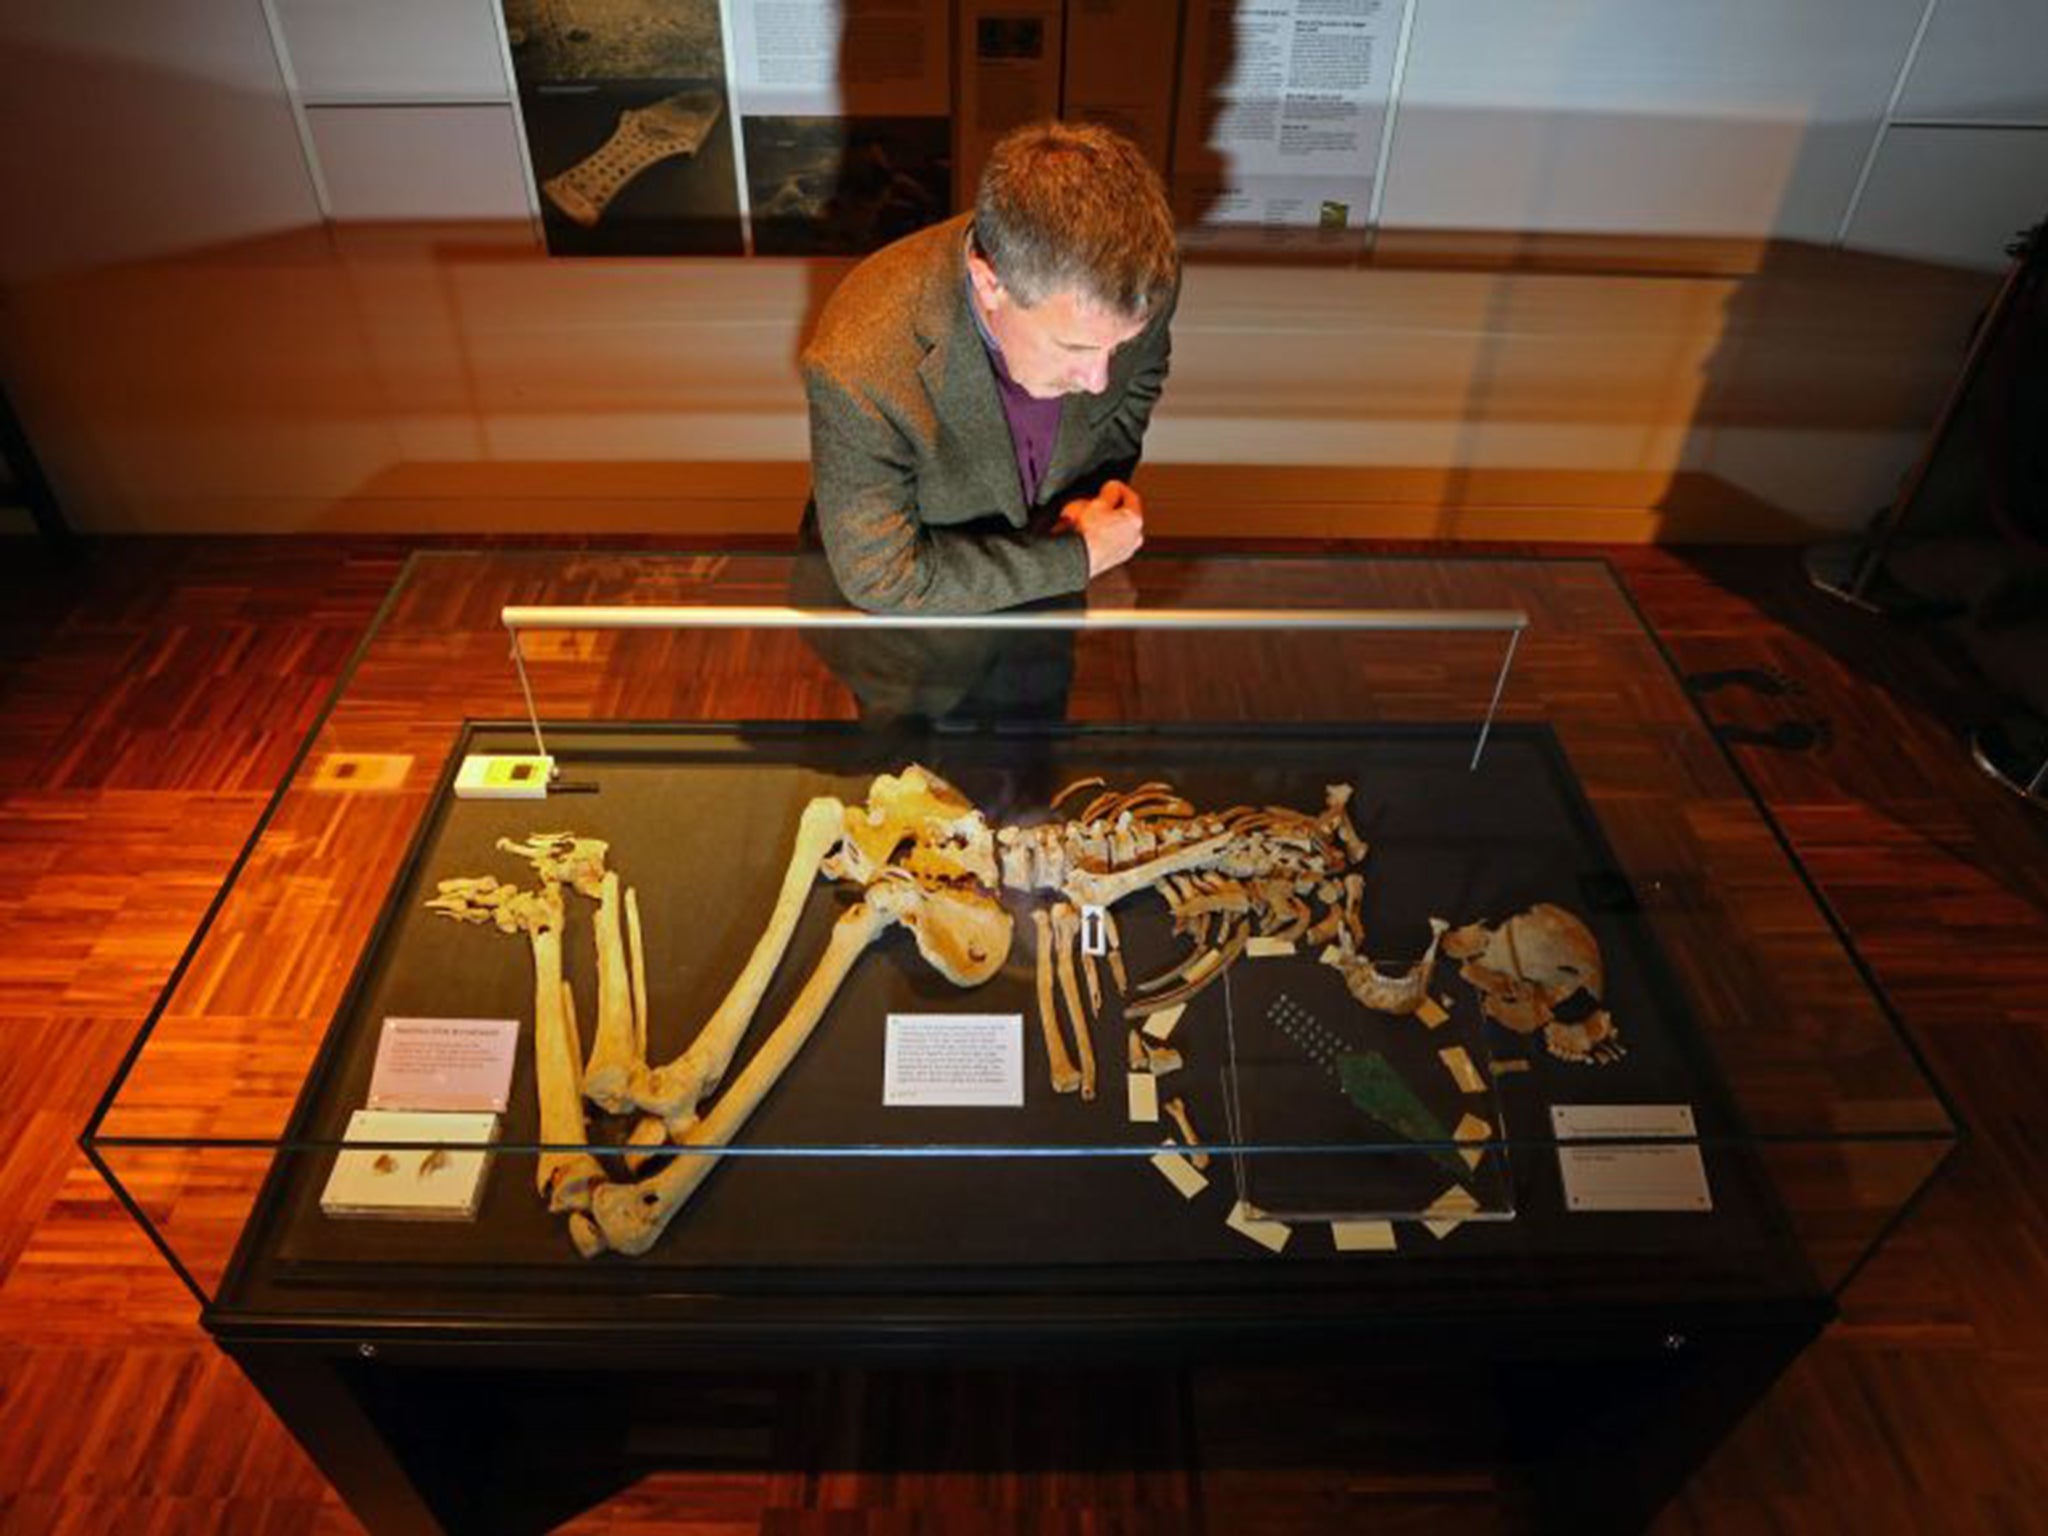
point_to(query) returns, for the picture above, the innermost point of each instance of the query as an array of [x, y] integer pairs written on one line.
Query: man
[[979, 391]]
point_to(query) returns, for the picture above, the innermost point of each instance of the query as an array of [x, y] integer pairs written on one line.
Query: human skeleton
[[922, 856]]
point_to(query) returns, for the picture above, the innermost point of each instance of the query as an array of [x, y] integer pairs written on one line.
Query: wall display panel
[[1953, 195], [791, 127], [1281, 112], [1981, 60], [419, 163], [1745, 119], [396, 50], [1010, 53], [1120, 69], [629, 126]]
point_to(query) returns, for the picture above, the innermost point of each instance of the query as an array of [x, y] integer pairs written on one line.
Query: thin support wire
[[532, 715], [1499, 686]]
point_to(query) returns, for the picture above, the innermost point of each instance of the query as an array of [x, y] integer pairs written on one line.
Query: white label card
[[937, 1059], [423, 1182], [1633, 1178], [1144, 1095]]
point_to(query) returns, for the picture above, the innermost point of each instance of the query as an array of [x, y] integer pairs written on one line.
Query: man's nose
[[1095, 377]]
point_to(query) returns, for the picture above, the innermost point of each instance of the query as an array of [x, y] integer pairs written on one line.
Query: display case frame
[[308, 1350]]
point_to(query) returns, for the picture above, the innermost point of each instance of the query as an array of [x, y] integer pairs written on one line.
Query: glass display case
[[646, 960]]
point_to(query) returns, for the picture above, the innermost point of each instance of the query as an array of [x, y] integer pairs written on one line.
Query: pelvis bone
[[922, 855]]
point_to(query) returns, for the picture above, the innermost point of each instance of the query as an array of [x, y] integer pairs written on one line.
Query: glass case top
[[1407, 890]]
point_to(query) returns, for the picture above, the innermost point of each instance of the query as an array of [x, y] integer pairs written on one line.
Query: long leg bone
[[1116, 953], [613, 1061], [674, 1091], [1066, 927], [637, 949], [1065, 1079], [566, 1179], [628, 1219], [1094, 981]]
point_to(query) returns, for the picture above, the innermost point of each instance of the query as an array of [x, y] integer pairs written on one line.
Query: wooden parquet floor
[[151, 695]]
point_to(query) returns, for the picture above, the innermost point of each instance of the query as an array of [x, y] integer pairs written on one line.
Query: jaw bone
[[1397, 994]]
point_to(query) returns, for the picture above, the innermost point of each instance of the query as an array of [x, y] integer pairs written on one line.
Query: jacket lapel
[[961, 382]]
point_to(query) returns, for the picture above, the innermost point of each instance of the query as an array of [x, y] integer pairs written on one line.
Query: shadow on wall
[[192, 349]]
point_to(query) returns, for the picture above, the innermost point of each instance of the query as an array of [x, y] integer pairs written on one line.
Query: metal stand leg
[[1855, 571], [1499, 685], [2015, 753], [29, 479], [310, 1394], [540, 745]]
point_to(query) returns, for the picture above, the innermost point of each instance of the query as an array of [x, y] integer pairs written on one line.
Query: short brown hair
[[1076, 206]]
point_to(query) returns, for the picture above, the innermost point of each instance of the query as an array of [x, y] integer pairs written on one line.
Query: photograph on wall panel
[[628, 125], [845, 121], [835, 186]]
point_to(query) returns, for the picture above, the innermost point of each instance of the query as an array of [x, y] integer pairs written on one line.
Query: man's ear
[[987, 286]]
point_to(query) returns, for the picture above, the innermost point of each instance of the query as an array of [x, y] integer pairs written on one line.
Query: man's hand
[[1111, 524]]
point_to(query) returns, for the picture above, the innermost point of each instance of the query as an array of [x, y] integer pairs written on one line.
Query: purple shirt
[[1034, 424]]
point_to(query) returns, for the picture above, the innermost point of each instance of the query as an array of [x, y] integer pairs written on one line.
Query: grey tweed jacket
[[914, 481]]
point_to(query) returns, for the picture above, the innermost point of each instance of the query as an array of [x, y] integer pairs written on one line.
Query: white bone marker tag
[[1094, 932]]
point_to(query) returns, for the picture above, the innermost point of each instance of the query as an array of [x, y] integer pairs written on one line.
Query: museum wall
[[1641, 269]]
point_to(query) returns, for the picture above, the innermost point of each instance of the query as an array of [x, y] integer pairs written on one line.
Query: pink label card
[[459, 1064]]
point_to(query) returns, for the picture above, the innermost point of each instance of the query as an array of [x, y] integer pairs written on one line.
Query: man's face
[[1059, 346]]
